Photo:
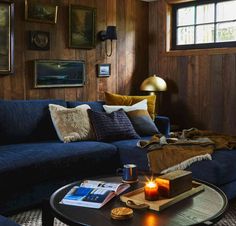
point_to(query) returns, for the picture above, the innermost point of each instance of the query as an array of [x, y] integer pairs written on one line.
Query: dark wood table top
[[204, 208]]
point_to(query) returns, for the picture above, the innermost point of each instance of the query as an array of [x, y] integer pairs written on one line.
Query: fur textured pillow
[[72, 124]]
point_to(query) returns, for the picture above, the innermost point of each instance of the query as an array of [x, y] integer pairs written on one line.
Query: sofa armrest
[[163, 124]]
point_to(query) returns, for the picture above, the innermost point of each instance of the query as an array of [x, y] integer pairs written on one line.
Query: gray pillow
[[142, 122]]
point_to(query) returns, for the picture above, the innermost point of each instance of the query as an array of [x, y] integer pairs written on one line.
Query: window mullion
[[215, 16], [195, 26]]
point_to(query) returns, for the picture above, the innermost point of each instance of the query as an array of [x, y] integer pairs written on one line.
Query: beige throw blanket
[[183, 148]]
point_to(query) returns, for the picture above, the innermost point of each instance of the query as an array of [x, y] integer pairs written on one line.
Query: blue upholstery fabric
[[7, 222], [229, 189], [163, 125], [27, 164], [130, 153], [26, 121], [219, 171], [95, 105], [31, 196]]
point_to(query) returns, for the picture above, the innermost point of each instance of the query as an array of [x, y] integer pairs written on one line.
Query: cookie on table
[[121, 213]]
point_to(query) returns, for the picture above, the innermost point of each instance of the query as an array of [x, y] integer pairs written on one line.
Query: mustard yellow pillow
[[116, 99]]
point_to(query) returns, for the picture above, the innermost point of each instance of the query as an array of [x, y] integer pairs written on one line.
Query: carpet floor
[[33, 217]]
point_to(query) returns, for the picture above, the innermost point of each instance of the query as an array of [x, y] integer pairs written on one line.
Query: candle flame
[[151, 184]]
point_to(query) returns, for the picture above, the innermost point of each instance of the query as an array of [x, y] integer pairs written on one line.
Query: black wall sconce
[[109, 34]]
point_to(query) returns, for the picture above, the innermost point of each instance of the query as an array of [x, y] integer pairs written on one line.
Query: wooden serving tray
[[137, 196]]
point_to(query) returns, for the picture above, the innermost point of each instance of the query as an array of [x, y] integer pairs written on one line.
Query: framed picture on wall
[[6, 37], [103, 70], [59, 73], [39, 40], [82, 27], [38, 12]]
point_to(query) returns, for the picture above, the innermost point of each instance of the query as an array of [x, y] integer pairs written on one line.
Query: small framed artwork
[[104, 70], [39, 40], [38, 12], [82, 27], [6, 37], [59, 73]]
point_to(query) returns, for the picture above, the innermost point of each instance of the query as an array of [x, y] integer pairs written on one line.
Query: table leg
[[47, 216]]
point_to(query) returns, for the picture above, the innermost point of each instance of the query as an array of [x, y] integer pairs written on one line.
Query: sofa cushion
[[26, 164], [229, 189], [95, 105], [26, 121], [219, 171], [130, 153], [72, 124], [113, 126]]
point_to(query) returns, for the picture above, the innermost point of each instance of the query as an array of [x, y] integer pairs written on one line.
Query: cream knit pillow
[[72, 124]]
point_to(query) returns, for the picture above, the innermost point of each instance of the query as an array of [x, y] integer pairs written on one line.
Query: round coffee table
[[204, 208]]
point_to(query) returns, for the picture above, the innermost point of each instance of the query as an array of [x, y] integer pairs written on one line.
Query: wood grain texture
[[201, 84], [129, 61]]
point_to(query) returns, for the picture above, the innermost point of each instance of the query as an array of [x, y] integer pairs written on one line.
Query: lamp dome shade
[[153, 84]]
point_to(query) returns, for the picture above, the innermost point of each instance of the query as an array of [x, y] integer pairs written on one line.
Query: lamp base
[[152, 93]]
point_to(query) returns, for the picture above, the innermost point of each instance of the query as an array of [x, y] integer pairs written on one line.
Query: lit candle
[[151, 191]]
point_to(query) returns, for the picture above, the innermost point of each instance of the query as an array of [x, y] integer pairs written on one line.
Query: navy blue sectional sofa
[[34, 163]]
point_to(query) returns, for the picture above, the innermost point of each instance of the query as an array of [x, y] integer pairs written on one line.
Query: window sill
[[190, 52]]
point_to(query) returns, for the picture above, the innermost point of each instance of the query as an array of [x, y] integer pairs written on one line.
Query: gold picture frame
[[82, 26], [40, 12], [7, 37]]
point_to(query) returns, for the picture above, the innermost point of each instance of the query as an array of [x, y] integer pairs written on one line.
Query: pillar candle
[[151, 191]]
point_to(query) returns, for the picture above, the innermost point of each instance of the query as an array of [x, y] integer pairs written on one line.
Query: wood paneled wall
[[129, 61], [201, 85]]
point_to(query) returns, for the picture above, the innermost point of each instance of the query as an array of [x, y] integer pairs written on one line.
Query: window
[[204, 24]]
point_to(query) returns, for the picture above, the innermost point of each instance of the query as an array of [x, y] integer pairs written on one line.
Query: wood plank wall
[[129, 61], [201, 85]]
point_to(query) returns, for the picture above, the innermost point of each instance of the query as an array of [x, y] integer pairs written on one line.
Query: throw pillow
[[142, 122], [113, 126], [72, 124], [142, 105], [116, 99]]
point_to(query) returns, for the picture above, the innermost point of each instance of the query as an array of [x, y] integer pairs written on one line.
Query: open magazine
[[93, 194]]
